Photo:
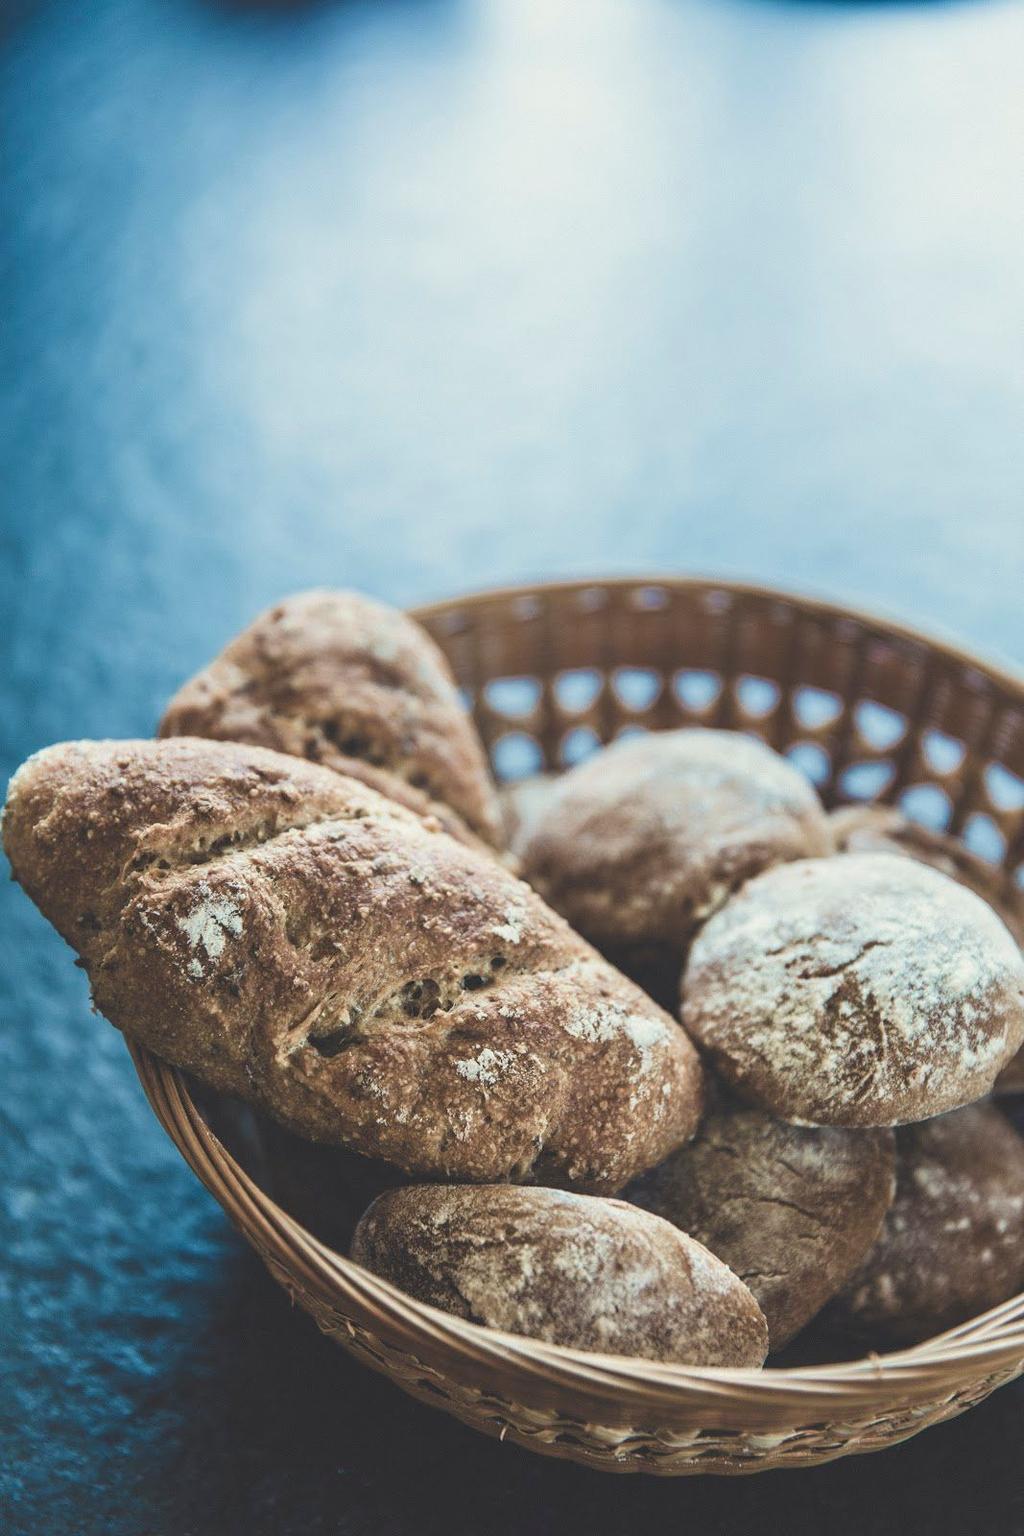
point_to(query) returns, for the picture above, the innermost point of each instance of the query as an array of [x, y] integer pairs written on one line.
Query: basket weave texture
[[871, 711]]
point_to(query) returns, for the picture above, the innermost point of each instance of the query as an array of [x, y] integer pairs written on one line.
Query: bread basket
[[870, 710]]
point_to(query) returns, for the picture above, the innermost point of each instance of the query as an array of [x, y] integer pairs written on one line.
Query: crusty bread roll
[[861, 989], [339, 679], [640, 843], [296, 939], [792, 1210], [569, 1269], [883, 829], [952, 1246]]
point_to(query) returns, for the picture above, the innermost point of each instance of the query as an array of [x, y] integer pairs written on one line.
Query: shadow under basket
[[870, 711]]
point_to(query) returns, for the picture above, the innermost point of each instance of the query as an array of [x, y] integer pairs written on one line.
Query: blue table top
[[420, 296]]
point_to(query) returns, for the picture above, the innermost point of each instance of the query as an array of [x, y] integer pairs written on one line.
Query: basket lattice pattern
[[870, 711]]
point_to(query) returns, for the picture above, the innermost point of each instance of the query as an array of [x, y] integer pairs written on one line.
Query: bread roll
[[952, 1246], [292, 937], [568, 1269], [882, 829], [862, 989], [339, 679], [637, 846], [791, 1210]]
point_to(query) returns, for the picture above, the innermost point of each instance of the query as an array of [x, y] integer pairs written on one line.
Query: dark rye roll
[[952, 1245], [791, 1209], [640, 844], [294, 938]]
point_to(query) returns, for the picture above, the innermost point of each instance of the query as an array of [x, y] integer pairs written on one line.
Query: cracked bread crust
[[883, 829], [590, 1274], [294, 938], [791, 1210], [338, 679], [952, 1246], [638, 845], [862, 989]]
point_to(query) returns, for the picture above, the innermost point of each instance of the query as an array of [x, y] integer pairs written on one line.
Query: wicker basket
[[871, 710]]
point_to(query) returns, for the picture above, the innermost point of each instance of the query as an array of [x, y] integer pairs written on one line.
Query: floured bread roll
[[862, 989], [792, 1210], [882, 829], [637, 846], [569, 1269], [294, 938], [952, 1246], [341, 680]]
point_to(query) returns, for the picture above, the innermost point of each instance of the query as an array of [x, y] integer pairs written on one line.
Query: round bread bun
[[862, 989], [952, 1246], [640, 843], [791, 1210], [883, 829], [569, 1269]]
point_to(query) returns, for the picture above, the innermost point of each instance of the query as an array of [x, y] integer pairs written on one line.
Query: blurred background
[[420, 296]]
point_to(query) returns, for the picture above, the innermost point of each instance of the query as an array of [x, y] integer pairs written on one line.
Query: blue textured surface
[[420, 296]]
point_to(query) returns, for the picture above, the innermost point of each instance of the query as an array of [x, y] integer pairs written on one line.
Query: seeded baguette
[[338, 679], [292, 937], [566, 1268]]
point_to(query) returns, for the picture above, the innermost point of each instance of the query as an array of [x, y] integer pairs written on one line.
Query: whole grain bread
[[294, 938], [339, 679], [861, 989], [791, 1209], [567, 1268], [883, 829], [638, 845], [952, 1246]]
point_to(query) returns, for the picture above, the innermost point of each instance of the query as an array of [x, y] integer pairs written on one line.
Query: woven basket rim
[[639, 1389], [1002, 672], [989, 1340]]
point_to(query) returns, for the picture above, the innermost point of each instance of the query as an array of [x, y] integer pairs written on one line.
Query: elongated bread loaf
[[566, 1268], [292, 937], [339, 679]]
